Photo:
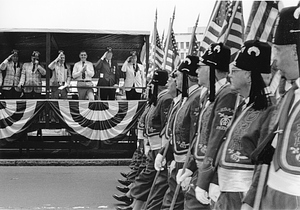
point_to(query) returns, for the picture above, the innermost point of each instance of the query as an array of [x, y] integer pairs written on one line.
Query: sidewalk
[[64, 162]]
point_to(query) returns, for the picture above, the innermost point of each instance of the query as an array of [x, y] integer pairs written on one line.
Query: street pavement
[[59, 187]]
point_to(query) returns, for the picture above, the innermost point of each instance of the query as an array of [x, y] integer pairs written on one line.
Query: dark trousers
[[229, 201], [190, 200], [273, 199], [144, 180], [171, 191], [107, 94], [11, 94], [133, 95]]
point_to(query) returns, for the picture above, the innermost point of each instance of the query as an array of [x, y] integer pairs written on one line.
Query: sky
[[132, 15]]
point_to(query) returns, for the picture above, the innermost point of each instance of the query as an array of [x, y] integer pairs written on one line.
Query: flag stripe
[[262, 20]]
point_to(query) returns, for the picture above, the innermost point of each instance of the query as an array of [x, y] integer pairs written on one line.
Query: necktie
[[83, 74], [134, 69], [15, 67], [32, 67]]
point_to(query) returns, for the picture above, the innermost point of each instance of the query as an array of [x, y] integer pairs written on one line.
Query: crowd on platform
[[25, 79], [214, 137]]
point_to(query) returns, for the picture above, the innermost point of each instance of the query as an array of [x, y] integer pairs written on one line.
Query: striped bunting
[[93, 120], [16, 117], [100, 120]]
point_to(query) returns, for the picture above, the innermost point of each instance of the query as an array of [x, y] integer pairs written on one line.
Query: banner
[[93, 120]]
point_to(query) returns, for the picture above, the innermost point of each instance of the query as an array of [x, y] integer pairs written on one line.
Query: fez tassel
[[261, 185]]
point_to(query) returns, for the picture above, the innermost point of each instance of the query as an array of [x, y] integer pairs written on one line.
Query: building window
[[182, 56], [187, 45], [181, 45]]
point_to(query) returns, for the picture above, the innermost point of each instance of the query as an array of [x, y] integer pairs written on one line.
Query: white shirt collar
[[220, 83]]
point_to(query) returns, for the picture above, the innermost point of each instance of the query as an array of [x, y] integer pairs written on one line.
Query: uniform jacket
[[32, 77], [157, 114], [185, 122], [108, 75], [241, 140], [12, 77], [222, 111]]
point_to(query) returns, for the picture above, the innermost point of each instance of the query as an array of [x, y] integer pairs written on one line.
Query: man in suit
[[108, 75]]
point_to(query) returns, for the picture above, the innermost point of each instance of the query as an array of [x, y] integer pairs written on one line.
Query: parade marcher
[[135, 77], [214, 118], [159, 104], [108, 73], [184, 124], [12, 69], [279, 148], [235, 168], [61, 77], [32, 76], [83, 71], [154, 121]]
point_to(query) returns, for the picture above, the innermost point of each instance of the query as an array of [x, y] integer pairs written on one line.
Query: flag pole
[[154, 39], [192, 37], [168, 39]]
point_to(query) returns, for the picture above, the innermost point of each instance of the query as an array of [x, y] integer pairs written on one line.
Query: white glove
[[245, 206], [159, 162], [186, 183], [146, 150], [181, 177], [172, 166], [214, 192], [202, 196]]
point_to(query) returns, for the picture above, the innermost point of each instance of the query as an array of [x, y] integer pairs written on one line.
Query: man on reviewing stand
[[108, 73], [83, 71]]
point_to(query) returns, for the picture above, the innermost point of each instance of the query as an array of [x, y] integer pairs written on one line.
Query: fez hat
[[288, 27], [160, 77], [189, 65], [254, 56], [217, 56]]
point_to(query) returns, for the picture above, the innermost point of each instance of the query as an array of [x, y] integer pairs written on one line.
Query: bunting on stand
[[92, 120]]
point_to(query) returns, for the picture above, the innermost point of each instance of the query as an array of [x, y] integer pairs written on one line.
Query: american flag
[[194, 48], [172, 57], [156, 51], [262, 20], [216, 25], [233, 30]]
